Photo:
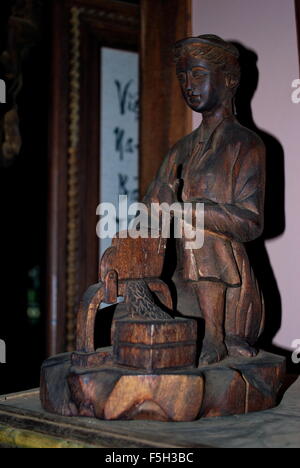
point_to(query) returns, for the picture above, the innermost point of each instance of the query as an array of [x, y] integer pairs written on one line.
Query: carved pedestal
[[97, 385], [150, 371]]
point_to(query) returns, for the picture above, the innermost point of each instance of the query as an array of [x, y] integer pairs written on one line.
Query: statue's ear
[[230, 81]]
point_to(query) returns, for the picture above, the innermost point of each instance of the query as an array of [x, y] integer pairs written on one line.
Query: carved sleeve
[[163, 189], [242, 220]]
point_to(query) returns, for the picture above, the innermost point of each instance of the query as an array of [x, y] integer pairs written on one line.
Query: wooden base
[[110, 391]]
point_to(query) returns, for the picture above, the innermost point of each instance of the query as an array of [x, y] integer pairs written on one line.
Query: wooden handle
[[92, 300], [86, 318]]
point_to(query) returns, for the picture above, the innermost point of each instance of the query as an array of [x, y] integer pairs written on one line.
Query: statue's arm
[[243, 220], [163, 187]]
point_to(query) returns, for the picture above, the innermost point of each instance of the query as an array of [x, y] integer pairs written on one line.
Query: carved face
[[203, 85]]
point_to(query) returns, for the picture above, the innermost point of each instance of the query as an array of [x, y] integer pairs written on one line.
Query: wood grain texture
[[158, 344], [90, 360], [156, 332], [110, 391], [57, 201], [91, 303], [54, 390], [134, 258], [164, 114], [121, 265], [225, 393], [156, 357], [156, 397], [86, 316], [107, 394]]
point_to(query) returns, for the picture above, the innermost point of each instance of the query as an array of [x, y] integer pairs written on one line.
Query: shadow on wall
[[274, 204]]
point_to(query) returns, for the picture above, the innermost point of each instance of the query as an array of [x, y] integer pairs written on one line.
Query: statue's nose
[[188, 85], [188, 89]]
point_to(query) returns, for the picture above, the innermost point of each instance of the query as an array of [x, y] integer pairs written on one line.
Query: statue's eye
[[181, 77], [198, 74]]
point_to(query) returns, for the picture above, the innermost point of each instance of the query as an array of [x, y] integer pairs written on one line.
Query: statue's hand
[[167, 195]]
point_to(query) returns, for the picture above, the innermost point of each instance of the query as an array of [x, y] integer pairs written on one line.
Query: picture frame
[[80, 29]]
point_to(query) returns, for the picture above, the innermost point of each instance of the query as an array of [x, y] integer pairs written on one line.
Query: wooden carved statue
[[153, 369], [222, 164]]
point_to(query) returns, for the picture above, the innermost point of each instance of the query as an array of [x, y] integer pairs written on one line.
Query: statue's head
[[208, 71]]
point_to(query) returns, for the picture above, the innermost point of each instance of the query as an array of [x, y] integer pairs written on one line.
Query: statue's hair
[[214, 50]]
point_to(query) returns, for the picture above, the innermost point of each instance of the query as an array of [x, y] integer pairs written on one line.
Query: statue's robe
[[227, 173]]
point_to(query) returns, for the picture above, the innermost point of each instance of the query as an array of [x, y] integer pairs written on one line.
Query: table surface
[[23, 423]]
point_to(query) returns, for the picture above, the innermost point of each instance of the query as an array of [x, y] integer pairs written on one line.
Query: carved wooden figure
[[222, 164], [152, 370]]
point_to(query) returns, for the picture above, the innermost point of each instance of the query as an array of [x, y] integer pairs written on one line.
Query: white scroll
[[119, 133]]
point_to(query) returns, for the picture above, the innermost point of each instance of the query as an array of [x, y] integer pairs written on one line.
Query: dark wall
[[23, 214]]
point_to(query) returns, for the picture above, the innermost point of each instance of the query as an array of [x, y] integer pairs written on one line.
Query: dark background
[[23, 212]]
